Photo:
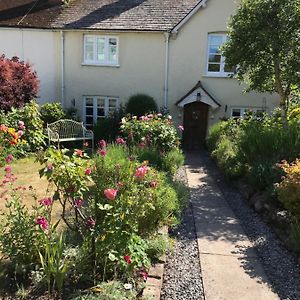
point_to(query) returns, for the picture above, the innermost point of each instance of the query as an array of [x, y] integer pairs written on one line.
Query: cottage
[[95, 54]]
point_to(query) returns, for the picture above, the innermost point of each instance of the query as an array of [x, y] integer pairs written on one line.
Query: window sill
[[228, 76], [100, 65]]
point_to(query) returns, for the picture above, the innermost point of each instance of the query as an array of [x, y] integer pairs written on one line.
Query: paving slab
[[229, 264]]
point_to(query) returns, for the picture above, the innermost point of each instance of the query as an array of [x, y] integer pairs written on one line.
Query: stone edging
[[154, 281]]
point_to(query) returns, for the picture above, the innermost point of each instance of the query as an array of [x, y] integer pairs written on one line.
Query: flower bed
[[111, 208]]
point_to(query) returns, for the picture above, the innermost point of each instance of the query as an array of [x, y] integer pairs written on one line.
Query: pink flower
[[120, 141], [78, 152], [88, 171], [127, 258], [110, 194], [102, 143], [50, 167], [9, 158], [42, 222], [7, 169], [78, 203], [142, 145], [46, 202], [91, 222], [159, 115], [150, 116], [144, 274], [140, 172], [181, 128], [20, 133], [21, 125], [153, 183], [102, 152]]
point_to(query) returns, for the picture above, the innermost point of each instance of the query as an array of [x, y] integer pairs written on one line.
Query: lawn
[[27, 172]]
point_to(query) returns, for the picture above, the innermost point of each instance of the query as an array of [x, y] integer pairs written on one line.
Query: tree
[[264, 44], [18, 83]]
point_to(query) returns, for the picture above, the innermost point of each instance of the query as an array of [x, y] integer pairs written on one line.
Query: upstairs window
[[97, 107], [216, 65], [101, 50]]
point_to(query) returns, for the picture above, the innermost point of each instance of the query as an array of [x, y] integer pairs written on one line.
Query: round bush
[[51, 112], [141, 104]]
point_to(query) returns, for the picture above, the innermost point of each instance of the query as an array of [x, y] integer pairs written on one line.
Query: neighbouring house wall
[[141, 70], [41, 48], [188, 55]]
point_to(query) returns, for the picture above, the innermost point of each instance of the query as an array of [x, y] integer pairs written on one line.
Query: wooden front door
[[195, 125]]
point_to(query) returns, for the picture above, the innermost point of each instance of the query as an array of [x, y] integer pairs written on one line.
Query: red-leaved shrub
[[18, 83]]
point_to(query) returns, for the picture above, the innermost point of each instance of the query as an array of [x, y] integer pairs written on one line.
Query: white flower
[[128, 286]]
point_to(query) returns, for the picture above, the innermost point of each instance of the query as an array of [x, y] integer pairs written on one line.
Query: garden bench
[[68, 130]]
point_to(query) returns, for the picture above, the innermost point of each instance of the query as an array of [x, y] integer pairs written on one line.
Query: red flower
[[141, 171], [42, 222], [78, 203], [9, 158], [127, 258], [91, 222], [120, 141], [153, 183], [144, 274], [78, 152], [102, 152], [88, 171], [102, 143], [7, 169], [50, 167], [46, 201], [110, 194]]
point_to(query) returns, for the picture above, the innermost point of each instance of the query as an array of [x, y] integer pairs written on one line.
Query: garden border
[[155, 275]]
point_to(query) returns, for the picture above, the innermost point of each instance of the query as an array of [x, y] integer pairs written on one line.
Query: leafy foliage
[[289, 188], [51, 112], [263, 42], [19, 83], [141, 104]]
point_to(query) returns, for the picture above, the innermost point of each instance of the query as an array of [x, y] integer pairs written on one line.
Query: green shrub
[[51, 112], [109, 128], [34, 131], [158, 245], [172, 161], [289, 188], [141, 104], [214, 135], [153, 130]]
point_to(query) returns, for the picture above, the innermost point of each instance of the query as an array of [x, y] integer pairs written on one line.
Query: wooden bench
[[68, 130]]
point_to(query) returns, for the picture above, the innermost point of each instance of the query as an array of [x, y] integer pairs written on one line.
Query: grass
[[27, 172]]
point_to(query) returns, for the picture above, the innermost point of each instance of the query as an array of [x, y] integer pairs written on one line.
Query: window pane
[[89, 120], [89, 101], [215, 58], [100, 112], [236, 113], [214, 49], [112, 53], [214, 67], [89, 111], [216, 40], [101, 49], [101, 102], [89, 48], [228, 70]]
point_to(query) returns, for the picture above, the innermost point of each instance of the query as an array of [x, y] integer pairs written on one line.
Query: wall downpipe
[[62, 56], [166, 87]]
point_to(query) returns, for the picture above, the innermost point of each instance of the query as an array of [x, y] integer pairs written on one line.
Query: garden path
[[229, 262]]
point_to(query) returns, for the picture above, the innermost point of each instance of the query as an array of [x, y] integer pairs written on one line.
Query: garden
[[260, 154], [80, 226]]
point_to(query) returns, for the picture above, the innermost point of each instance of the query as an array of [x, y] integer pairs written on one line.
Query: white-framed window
[[216, 65], [97, 107], [240, 112], [101, 50]]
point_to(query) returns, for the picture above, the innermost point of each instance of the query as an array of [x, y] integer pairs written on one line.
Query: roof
[[191, 96], [139, 15], [29, 13]]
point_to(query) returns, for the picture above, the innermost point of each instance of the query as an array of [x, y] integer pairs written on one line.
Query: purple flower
[[42, 222]]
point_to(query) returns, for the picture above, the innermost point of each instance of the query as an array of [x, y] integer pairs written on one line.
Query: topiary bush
[[141, 104], [19, 83]]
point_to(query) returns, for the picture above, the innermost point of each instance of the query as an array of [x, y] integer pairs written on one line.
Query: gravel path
[[280, 266], [182, 277]]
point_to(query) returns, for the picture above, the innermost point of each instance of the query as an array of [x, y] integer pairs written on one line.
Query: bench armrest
[[53, 136], [88, 133]]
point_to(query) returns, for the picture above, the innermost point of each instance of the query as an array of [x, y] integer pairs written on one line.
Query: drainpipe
[[167, 37], [62, 57]]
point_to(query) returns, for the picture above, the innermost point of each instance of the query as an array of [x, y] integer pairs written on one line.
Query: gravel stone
[[182, 277], [281, 267]]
